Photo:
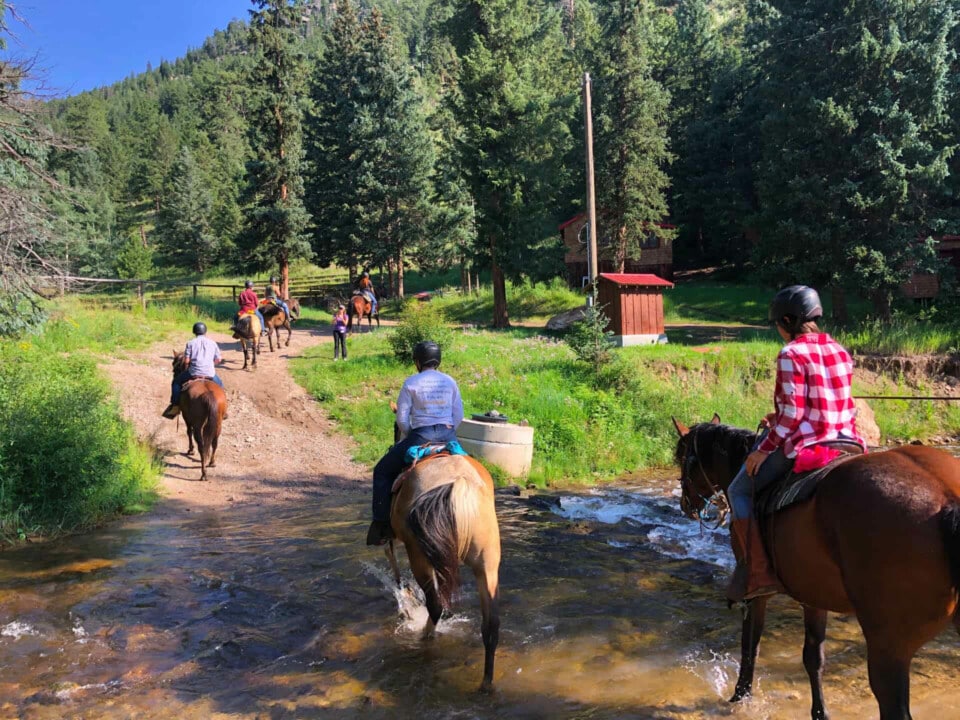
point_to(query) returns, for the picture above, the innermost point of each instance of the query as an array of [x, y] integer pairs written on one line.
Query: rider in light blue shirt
[[429, 410]]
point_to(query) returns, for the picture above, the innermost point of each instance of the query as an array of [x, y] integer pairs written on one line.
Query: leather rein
[[717, 497]]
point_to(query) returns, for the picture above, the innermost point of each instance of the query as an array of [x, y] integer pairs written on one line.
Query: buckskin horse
[[275, 319], [248, 333], [358, 307], [203, 405], [880, 538], [443, 512]]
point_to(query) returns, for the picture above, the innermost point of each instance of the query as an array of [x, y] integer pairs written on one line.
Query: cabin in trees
[[927, 285], [656, 256]]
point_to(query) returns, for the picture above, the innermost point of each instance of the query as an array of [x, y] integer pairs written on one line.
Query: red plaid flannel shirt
[[813, 398]]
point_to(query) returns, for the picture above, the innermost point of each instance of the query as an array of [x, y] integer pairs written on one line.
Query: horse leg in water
[[424, 574], [815, 632], [753, 621], [487, 574], [392, 557]]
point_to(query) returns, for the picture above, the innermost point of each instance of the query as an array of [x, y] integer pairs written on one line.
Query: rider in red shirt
[[248, 301]]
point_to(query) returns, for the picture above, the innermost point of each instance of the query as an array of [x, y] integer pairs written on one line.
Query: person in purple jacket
[[340, 333]]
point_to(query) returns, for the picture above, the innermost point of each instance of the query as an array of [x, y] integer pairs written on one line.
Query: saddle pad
[[425, 453], [797, 487]]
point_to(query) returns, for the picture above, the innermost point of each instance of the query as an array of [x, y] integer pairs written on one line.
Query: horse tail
[[210, 429], [950, 527], [432, 522]]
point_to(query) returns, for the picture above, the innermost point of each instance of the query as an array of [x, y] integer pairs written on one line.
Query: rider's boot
[[171, 412], [379, 533], [753, 576]]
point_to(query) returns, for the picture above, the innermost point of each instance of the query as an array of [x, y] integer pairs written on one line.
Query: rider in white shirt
[[429, 410]]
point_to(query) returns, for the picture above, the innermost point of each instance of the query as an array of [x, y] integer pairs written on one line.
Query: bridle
[[716, 499]]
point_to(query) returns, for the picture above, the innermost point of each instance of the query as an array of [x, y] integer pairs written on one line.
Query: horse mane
[[732, 442]]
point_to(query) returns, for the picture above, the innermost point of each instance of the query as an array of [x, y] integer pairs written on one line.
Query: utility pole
[[592, 263]]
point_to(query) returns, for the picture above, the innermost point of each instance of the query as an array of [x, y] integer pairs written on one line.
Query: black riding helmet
[[199, 329], [426, 354], [273, 278], [248, 284], [793, 306]]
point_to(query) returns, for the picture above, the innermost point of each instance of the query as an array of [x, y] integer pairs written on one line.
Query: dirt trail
[[276, 444]]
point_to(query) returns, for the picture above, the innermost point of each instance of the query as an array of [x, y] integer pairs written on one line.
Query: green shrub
[[590, 340], [69, 460], [419, 321]]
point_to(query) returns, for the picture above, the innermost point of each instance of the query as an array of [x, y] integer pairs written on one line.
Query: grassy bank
[[588, 426]]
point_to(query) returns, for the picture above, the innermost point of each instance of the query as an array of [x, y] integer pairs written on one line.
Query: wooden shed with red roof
[[634, 304]]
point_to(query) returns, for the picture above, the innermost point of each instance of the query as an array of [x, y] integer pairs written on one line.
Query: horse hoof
[[486, 688]]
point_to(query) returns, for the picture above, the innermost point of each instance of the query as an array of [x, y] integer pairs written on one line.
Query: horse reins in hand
[[717, 498]]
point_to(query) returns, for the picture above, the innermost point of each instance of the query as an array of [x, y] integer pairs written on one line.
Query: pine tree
[[853, 142], [632, 145], [275, 216], [369, 149], [186, 238], [514, 105]]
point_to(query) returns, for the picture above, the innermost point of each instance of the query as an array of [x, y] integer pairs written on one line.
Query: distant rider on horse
[[814, 403], [274, 295], [247, 302], [365, 286], [429, 410], [202, 355]]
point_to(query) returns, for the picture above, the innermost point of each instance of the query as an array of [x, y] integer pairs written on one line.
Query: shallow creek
[[611, 608]]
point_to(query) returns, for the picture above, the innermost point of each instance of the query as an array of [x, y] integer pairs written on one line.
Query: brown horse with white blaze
[[880, 539], [444, 514], [203, 405]]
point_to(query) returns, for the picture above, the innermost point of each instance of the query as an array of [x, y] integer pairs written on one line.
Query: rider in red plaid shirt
[[814, 403], [813, 397]]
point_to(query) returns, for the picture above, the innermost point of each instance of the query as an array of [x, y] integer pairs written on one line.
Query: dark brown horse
[[275, 319], [248, 333], [880, 538], [443, 512], [359, 307], [203, 405]]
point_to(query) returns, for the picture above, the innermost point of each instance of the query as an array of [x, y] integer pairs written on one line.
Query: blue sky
[[83, 44]]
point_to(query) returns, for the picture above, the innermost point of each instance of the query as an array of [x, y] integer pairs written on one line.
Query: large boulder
[[564, 320], [867, 424]]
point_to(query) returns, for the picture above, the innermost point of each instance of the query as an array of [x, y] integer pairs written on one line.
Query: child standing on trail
[[340, 333]]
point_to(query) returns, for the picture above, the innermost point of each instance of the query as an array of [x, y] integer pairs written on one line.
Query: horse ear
[[715, 420], [393, 406], [682, 429]]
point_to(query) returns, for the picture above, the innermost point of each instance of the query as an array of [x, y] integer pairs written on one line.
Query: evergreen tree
[[632, 146], [186, 238], [853, 142], [369, 149], [514, 104], [275, 216]]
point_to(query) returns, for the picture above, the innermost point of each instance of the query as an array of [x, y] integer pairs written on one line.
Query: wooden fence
[[309, 290]]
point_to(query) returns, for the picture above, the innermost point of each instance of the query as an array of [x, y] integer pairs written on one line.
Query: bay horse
[[443, 512], [248, 333], [880, 539], [275, 319], [203, 405], [359, 307]]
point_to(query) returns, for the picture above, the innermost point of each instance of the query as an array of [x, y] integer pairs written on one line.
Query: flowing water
[[611, 608]]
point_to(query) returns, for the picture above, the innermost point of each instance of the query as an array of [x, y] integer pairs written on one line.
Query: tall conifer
[[275, 216]]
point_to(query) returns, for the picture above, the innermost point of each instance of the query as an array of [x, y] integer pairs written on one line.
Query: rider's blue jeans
[[393, 462], [743, 487], [183, 377]]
